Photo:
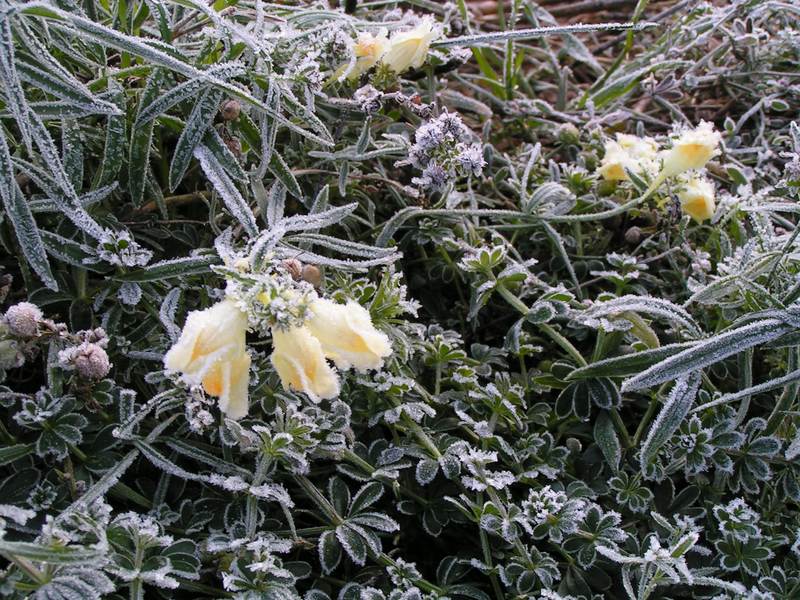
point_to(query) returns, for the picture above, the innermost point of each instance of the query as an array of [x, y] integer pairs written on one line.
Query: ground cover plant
[[398, 301]]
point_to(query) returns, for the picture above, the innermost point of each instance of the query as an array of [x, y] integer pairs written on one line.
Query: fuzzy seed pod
[[23, 319], [91, 361]]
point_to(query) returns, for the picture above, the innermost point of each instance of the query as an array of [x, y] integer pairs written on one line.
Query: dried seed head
[[23, 319], [91, 361], [230, 110], [312, 275]]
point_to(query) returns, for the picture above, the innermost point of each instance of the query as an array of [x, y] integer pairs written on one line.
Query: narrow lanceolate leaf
[[751, 391], [154, 106], [141, 139], [628, 364], [230, 194], [708, 352], [283, 173], [114, 152], [194, 130], [606, 439], [656, 307], [72, 150], [672, 414], [11, 84], [166, 269], [21, 218], [50, 554], [224, 155]]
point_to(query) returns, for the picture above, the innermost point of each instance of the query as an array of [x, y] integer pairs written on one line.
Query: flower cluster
[[307, 331], [443, 150], [690, 150], [405, 49]]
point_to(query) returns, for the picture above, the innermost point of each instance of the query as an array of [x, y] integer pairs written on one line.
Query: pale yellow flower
[[408, 49], [631, 153], [228, 380], [211, 351], [616, 162], [692, 150], [298, 358], [369, 49], [347, 335], [697, 199]]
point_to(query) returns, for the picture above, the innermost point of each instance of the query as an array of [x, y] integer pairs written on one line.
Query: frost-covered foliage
[[399, 301]]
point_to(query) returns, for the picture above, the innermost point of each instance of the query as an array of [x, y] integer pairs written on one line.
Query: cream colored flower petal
[[208, 336], [409, 49], [211, 351], [692, 150], [347, 335], [301, 364], [697, 199], [229, 381]]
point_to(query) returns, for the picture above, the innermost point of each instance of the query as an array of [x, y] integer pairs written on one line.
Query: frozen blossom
[[120, 249], [444, 151]]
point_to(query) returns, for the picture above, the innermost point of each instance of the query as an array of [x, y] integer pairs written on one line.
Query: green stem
[[28, 567], [554, 335], [612, 212]]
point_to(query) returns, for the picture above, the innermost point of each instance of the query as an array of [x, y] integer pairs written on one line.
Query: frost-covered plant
[[368, 301]]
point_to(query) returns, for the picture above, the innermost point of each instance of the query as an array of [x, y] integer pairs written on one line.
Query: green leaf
[[141, 139], [11, 453], [672, 414], [330, 551], [179, 267], [53, 555], [605, 436], [19, 213], [708, 352], [195, 128], [116, 140], [628, 364]]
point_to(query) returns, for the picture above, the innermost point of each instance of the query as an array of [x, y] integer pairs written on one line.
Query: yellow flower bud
[[301, 364], [347, 335], [692, 150], [409, 49], [697, 199], [211, 351]]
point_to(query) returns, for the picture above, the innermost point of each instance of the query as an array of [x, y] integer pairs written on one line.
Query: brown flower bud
[[312, 275], [295, 268], [230, 110], [91, 361], [633, 235]]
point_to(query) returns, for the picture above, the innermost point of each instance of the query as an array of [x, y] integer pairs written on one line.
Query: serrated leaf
[[330, 551], [366, 497]]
